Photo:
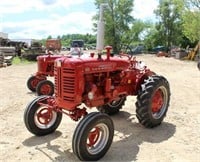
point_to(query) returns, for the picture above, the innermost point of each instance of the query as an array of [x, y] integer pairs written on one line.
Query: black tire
[[45, 87], [100, 138], [113, 107], [198, 65], [33, 117], [32, 83], [153, 101]]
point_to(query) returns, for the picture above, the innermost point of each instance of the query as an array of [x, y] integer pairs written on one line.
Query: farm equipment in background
[[38, 82], [77, 47], [53, 45], [198, 65], [8, 50], [7, 54], [35, 49], [193, 53], [162, 54]]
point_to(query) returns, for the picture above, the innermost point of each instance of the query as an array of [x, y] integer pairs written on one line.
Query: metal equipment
[[192, 54], [38, 82]]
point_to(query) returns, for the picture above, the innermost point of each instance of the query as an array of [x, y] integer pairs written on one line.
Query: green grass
[[17, 61]]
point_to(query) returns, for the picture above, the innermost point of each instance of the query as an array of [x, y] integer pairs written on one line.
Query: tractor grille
[[57, 80], [68, 84], [65, 84]]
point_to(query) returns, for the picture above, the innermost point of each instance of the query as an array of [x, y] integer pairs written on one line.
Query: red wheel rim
[[157, 101], [34, 82], [44, 116], [45, 89], [93, 137]]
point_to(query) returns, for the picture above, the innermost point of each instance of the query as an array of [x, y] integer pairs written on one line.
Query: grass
[[18, 61]]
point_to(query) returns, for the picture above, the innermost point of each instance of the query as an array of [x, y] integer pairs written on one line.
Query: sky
[[37, 19]]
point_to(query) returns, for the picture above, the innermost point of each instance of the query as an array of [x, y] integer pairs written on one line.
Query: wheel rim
[[34, 82], [44, 118], [97, 138], [115, 103], [45, 89], [159, 102]]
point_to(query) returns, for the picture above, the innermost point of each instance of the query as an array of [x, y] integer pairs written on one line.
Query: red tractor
[[103, 83], [38, 82]]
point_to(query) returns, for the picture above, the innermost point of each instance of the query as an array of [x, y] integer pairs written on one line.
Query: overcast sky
[[37, 19]]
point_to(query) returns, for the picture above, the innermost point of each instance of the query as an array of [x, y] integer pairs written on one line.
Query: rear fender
[[141, 80]]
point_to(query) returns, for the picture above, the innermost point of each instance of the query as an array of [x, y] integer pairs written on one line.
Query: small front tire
[[93, 136], [32, 83], [39, 119], [45, 87]]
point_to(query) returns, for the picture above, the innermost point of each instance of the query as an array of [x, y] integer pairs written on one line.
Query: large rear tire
[[113, 107], [198, 65], [39, 119], [93, 136], [153, 101], [45, 87]]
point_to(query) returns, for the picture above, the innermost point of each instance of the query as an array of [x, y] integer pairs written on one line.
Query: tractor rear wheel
[[39, 119], [198, 65], [93, 136], [113, 107], [45, 87], [32, 83], [153, 101]]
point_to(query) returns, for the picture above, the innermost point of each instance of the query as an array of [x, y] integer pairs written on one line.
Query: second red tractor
[[38, 82]]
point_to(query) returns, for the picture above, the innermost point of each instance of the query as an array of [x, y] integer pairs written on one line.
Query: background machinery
[[38, 82]]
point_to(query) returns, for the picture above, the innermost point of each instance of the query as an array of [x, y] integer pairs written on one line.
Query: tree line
[[177, 24]]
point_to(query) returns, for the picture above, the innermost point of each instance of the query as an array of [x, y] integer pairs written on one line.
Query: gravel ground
[[177, 139]]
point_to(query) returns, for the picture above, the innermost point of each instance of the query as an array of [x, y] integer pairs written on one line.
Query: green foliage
[[169, 26], [117, 21], [178, 24], [191, 25], [191, 20], [18, 61], [66, 40]]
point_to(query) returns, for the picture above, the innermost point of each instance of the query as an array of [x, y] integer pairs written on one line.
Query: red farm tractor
[[38, 82], [103, 83]]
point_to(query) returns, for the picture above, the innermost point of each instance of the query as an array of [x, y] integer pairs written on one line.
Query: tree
[[49, 37], [193, 4], [191, 20], [169, 26], [136, 35], [117, 20]]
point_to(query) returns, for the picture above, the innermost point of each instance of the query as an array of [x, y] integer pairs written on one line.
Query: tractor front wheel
[[93, 136], [32, 83], [39, 119], [45, 87], [153, 101], [113, 107]]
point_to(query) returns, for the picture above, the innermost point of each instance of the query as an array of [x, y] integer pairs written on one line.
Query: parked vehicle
[[103, 83]]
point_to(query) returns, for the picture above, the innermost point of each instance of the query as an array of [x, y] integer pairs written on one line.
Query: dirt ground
[[177, 139]]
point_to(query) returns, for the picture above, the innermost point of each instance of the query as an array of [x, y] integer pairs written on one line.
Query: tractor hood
[[92, 65]]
